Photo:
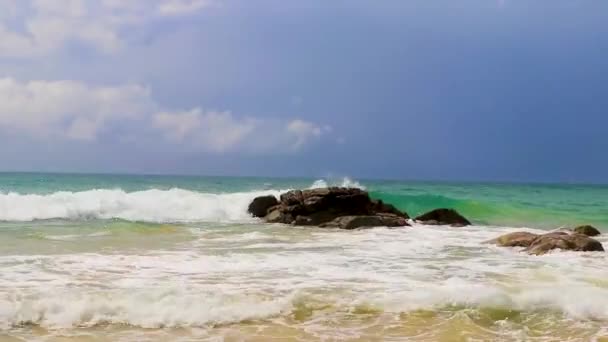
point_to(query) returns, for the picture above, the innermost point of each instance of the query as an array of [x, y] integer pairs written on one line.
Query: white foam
[[243, 272], [261, 274], [175, 205], [345, 182], [146, 308], [154, 205]]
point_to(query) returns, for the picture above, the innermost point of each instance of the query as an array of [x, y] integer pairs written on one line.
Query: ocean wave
[[175, 205], [230, 278], [179, 307], [145, 308], [154, 205]]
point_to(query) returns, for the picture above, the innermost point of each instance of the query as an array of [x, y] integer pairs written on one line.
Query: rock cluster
[[346, 208], [352, 208]]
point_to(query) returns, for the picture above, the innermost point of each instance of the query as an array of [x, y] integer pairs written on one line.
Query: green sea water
[[177, 258], [517, 205], [502, 204]]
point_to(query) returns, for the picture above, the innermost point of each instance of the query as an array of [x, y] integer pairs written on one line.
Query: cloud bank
[[36, 28], [73, 110]]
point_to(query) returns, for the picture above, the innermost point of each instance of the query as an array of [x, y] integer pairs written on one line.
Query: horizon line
[[302, 177]]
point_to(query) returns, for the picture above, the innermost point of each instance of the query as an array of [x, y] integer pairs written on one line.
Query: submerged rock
[[566, 242], [540, 244], [517, 239], [346, 208], [587, 230], [443, 216], [260, 205]]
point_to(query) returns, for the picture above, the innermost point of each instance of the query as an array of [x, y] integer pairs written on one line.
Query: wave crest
[[145, 308], [175, 205], [154, 205]]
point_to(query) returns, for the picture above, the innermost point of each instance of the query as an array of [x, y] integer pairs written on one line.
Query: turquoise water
[[172, 258], [526, 205]]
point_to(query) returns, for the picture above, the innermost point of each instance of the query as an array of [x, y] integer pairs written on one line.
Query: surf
[[176, 205], [154, 205]]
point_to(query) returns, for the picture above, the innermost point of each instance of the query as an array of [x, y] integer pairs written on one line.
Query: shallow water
[[185, 265], [255, 281]]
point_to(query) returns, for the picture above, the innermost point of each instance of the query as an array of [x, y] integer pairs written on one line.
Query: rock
[[317, 207], [354, 222], [292, 197], [443, 217], [557, 233], [381, 207], [276, 216], [260, 205], [567, 242], [305, 202], [516, 239], [540, 244], [587, 230], [315, 219]]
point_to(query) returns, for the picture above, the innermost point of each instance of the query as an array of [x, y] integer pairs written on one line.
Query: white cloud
[[65, 8], [68, 108], [73, 110], [180, 7], [8, 9], [304, 131], [214, 131], [32, 28], [221, 131]]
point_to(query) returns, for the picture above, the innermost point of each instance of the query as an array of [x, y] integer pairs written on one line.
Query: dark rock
[[381, 207], [587, 230], [443, 217], [566, 242], [516, 239], [292, 197], [354, 222], [316, 207], [305, 202], [260, 205], [315, 219]]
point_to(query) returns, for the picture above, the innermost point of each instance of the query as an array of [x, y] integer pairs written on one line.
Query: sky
[[476, 90]]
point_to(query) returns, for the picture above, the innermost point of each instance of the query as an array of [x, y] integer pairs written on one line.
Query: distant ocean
[[170, 258]]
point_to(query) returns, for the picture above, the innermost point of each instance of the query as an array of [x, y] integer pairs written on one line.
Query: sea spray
[[344, 182]]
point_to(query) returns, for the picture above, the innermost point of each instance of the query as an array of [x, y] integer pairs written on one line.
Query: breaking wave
[[154, 205], [175, 205], [377, 272]]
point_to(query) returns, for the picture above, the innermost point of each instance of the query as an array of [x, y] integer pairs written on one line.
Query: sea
[[177, 258]]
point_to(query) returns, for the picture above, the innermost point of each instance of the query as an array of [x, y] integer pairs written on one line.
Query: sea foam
[[174, 205], [232, 278], [154, 205]]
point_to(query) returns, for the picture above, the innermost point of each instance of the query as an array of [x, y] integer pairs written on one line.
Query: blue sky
[[451, 90]]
